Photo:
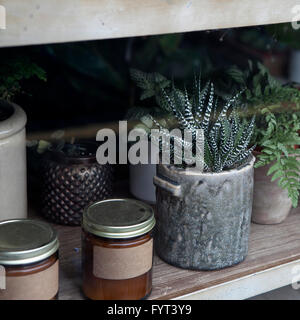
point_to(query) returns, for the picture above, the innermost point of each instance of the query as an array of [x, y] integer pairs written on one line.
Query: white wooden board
[[49, 21]]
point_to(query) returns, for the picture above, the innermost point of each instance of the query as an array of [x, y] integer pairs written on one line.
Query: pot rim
[[15, 123], [61, 157], [194, 172]]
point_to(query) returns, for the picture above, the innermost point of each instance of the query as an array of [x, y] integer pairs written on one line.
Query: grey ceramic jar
[[13, 189], [203, 219]]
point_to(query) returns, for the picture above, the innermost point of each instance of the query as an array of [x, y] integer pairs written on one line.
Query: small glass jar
[[29, 260], [117, 250]]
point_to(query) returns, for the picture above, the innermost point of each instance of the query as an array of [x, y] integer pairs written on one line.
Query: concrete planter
[[13, 190], [203, 219], [271, 204]]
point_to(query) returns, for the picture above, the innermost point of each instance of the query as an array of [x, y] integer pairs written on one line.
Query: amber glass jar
[[117, 250], [28, 260]]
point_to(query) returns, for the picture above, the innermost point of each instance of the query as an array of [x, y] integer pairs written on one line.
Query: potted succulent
[[71, 179], [276, 134], [203, 216], [13, 190]]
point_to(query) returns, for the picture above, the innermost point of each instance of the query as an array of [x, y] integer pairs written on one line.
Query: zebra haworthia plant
[[226, 136]]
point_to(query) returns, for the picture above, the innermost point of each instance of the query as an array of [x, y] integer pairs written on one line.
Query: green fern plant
[[226, 136], [278, 148], [277, 109], [261, 89], [151, 84]]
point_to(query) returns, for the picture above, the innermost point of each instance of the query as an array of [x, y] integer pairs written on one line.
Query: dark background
[[89, 82]]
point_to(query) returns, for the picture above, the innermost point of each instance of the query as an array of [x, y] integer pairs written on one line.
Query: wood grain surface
[[269, 246]]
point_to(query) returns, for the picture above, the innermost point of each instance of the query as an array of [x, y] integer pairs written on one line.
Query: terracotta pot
[[203, 219], [13, 190], [271, 204]]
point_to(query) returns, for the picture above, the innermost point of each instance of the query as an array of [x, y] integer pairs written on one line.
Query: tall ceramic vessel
[[13, 190], [203, 219], [141, 180], [294, 66]]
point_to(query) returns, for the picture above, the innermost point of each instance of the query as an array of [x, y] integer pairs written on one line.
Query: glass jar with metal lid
[[117, 250], [28, 260]]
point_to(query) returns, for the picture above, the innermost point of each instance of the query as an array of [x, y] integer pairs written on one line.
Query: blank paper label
[[39, 286], [120, 264]]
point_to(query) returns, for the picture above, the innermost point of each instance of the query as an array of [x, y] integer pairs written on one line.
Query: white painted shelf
[[52, 21]]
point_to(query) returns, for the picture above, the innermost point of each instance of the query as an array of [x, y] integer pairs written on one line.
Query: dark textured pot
[[72, 183], [203, 219]]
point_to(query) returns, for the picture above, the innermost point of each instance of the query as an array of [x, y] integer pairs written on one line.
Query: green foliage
[[226, 137], [277, 110], [261, 89], [170, 42], [99, 69], [260, 40], [151, 83], [285, 33], [278, 148], [13, 72]]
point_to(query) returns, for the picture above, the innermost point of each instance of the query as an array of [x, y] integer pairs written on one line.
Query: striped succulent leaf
[[188, 114], [207, 114], [226, 137]]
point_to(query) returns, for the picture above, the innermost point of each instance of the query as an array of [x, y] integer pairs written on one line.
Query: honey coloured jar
[[117, 250], [29, 261]]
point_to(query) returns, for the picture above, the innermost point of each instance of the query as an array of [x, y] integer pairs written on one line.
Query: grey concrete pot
[[271, 204], [203, 219], [13, 191]]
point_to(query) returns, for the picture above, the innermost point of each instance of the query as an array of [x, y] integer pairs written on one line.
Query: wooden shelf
[[48, 21], [274, 252]]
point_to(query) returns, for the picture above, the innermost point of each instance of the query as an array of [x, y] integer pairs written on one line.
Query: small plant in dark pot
[[203, 216], [72, 180]]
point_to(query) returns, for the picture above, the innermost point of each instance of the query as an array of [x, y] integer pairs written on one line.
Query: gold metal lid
[[118, 218], [26, 241]]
